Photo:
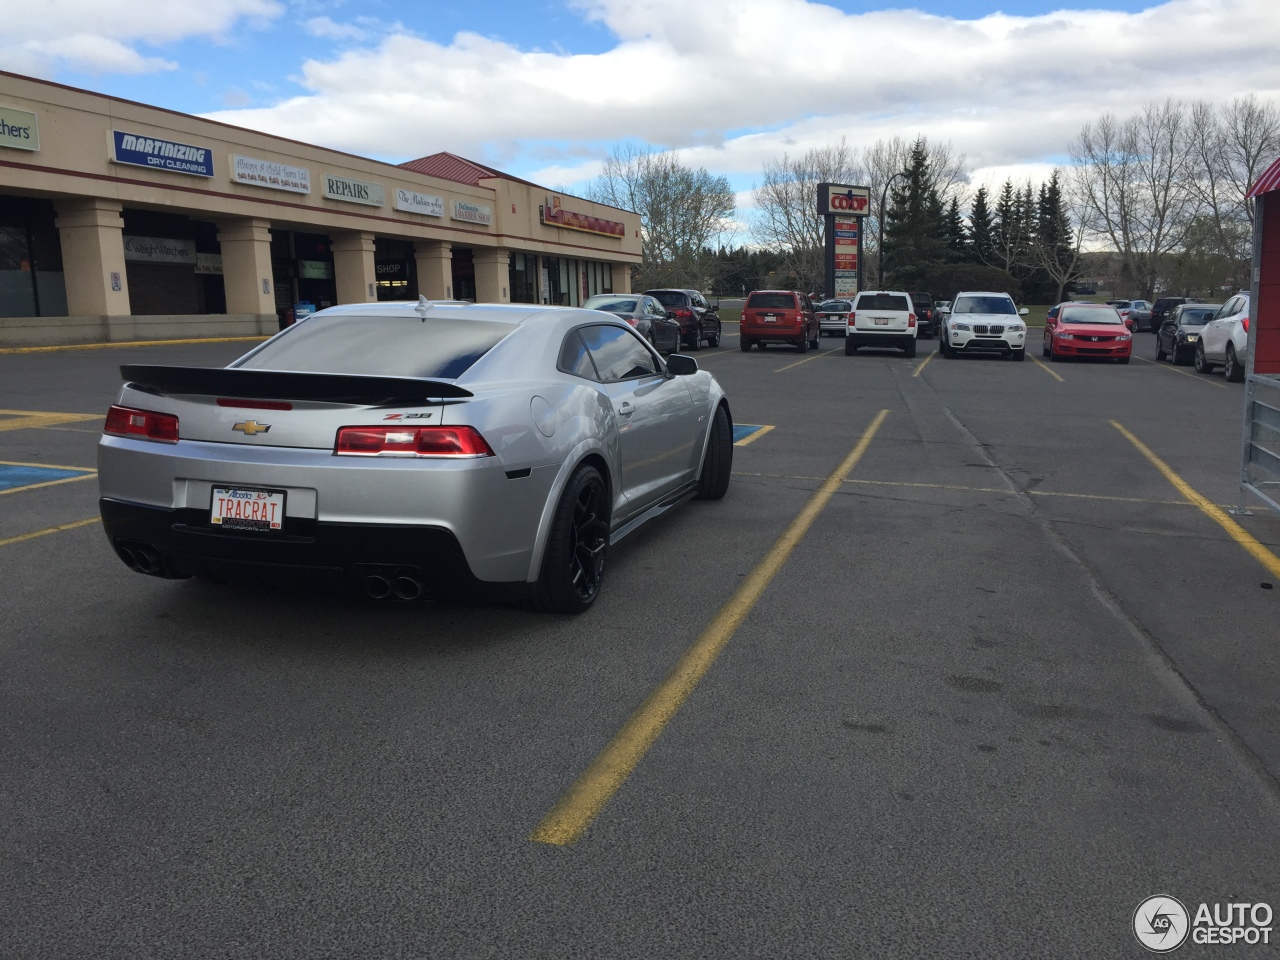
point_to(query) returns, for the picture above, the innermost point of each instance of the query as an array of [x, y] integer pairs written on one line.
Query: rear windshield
[[613, 306], [837, 306], [1195, 317], [671, 298], [984, 305], [1090, 315], [921, 298], [437, 348], [882, 301], [771, 301]]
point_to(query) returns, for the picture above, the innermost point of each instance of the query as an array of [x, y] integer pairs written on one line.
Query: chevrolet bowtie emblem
[[251, 428]]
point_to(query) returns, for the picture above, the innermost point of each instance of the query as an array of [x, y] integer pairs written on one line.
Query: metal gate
[[1260, 461]]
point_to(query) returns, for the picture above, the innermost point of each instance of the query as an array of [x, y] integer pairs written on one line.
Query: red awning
[[1269, 181]]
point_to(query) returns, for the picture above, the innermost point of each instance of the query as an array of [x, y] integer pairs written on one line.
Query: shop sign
[[410, 201], [267, 173], [554, 215], [19, 129], [847, 286], [469, 212], [392, 269], [315, 270], [210, 263], [352, 191], [841, 199], [169, 155], [159, 250]]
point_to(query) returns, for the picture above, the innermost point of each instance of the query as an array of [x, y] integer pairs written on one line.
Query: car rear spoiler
[[287, 385]]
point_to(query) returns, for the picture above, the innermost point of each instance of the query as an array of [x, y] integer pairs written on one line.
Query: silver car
[[441, 449]]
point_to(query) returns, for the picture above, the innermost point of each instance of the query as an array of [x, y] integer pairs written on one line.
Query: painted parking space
[[744, 433], [33, 419], [25, 476]]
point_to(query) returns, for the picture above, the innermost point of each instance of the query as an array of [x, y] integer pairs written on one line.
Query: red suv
[[780, 316]]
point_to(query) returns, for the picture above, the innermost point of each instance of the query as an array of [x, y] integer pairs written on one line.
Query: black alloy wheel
[[1201, 361], [573, 565], [1160, 351], [714, 339], [717, 464], [1233, 369]]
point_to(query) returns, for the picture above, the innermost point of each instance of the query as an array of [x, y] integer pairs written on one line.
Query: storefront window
[[524, 278], [31, 282]]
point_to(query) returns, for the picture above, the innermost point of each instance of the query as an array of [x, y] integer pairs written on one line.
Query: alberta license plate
[[882, 321], [247, 508], [770, 318]]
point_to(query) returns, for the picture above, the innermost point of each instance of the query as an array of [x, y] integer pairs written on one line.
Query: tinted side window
[[618, 354], [574, 358]]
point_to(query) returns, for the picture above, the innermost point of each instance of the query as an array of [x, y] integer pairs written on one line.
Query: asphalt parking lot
[[1009, 682]]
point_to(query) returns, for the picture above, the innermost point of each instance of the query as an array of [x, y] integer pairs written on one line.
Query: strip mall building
[[120, 221]]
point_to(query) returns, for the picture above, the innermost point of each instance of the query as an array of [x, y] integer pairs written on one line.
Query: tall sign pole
[[843, 209]]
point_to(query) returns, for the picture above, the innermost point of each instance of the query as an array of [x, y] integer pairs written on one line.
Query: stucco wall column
[[353, 270], [493, 275], [246, 266], [622, 278], [91, 234], [435, 269]]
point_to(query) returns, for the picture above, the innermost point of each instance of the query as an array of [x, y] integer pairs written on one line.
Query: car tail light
[[631, 320], [402, 441], [1244, 322], [142, 424], [911, 320], [683, 314], [851, 318]]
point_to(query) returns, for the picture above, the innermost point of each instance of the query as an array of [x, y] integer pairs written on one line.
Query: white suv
[[882, 318], [1225, 339], [984, 322]]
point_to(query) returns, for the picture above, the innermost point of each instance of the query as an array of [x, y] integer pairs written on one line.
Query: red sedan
[[1088, 330]]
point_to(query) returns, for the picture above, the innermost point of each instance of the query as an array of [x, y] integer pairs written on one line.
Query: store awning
[[1270, 180]]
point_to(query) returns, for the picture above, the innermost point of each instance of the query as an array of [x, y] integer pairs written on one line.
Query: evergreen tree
[[957, 242], [915, 233], [981, 245], [1007, 228]]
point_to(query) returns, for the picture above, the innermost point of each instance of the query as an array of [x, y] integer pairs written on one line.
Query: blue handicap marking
[[16, 476], [743, 430]]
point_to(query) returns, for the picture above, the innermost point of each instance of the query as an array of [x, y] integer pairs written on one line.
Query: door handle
[[625, 409]]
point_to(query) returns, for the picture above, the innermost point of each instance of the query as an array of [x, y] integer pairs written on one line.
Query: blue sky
[[545, 89]]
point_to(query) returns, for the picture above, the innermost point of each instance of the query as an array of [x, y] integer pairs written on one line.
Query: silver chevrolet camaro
[[429, 450]]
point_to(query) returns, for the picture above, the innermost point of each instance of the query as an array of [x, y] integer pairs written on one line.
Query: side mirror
[[681, 366], [1023, 312]]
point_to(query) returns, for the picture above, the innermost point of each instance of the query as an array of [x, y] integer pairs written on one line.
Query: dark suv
[[698, 319], [926, 315], [1161, 309]]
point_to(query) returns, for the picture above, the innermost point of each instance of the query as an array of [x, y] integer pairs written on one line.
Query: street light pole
[[884, 196]]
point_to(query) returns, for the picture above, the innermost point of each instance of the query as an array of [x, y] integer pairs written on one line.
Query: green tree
[[957, 241], [981, 247], [915, 233]]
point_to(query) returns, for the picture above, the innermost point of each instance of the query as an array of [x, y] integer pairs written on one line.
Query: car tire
[[577, 546], [1160, 351], [816, 342], [944, 348], [1233, 369], [803, 345], [717, 465], [1018, 354], [1054, 355], [849, 348], [714, 339], [695, 344], [1202, 363], [909, 349], [1045, 349], [1122, 360], [744, 344]]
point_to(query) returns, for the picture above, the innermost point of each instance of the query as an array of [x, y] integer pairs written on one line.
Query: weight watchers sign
[[156, 154], [160, 250]]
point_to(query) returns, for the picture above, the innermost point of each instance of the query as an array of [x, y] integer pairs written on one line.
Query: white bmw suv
[[984, 322]]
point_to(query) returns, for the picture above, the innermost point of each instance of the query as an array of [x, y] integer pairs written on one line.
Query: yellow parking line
[[753, 436], [48, 530], [816, 356], [47, 466], [32, 419], [1237, 533], [1197, 377], [1044, 366], [128, 343], [574, 812], [924, 364]]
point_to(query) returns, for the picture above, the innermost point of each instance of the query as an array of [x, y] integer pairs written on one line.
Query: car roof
[[771, 290], [512, 313], [982, 293]]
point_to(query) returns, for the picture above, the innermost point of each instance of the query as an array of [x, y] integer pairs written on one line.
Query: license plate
[[882, 321], [247, 508], [770, 318]]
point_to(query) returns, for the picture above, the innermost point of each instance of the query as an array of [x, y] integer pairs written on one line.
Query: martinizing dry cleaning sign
[[144, 151]]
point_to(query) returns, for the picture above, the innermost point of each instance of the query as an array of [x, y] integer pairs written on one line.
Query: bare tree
[[786, 201], [1134, 175], [682, 213]]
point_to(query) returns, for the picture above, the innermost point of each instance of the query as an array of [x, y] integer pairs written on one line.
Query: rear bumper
[[772, 333], [888, 339], [182, 543]]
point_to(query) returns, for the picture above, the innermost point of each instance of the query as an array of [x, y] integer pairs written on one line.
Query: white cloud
[[329, 29], [726, 81], [101, 35]]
